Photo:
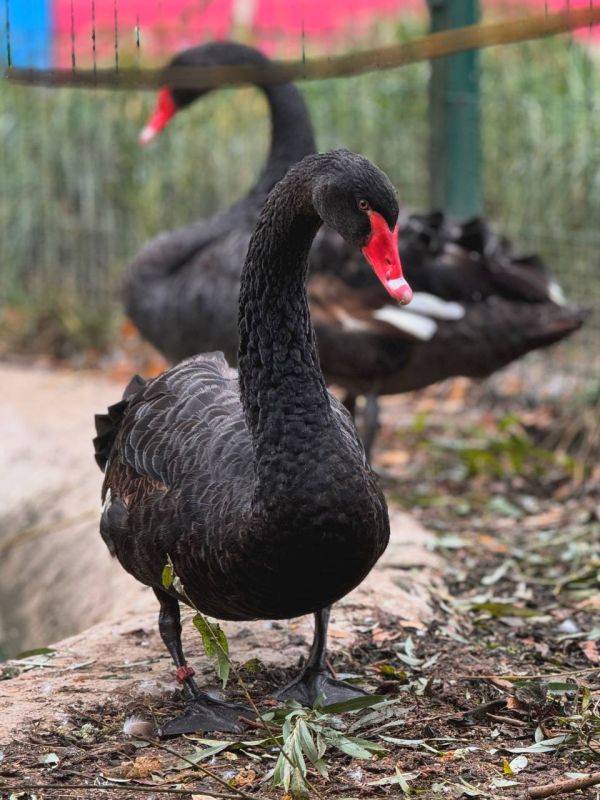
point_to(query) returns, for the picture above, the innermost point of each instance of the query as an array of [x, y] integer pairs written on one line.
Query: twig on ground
[[117, 787], [478, 711], [547, 676], [560, 787], [251, 723], [519, 723]]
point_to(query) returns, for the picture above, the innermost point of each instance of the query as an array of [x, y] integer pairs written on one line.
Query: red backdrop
[[275, 25]]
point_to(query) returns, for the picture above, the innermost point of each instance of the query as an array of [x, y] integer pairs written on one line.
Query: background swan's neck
[[292, 135]]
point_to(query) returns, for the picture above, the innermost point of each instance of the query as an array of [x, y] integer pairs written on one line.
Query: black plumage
[[258, 490], [182, 288], [485, 307]]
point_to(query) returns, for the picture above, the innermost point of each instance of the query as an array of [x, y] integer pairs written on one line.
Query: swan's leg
[[169, 626], [371, 423], [203, 712], [314, 682]]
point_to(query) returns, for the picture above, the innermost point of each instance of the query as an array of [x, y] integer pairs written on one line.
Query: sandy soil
[[55, 572], [103, 660]]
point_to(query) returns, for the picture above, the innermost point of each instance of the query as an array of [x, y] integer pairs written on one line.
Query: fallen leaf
[[502, 783], [542, 746], [592, 602], [546, 519], [245, 777], [501, 610], [513, 703], [379, 635], [394, 458], [142, 767], [590, 648], [491, 543], [337, 633], [506, 686], [49, 758], [517, 765]]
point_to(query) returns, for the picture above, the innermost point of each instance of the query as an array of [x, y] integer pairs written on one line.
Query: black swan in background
[[257, 488], [477, 306], [181, 290]]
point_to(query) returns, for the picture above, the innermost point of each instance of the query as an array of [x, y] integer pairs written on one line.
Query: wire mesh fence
[[78, 196]]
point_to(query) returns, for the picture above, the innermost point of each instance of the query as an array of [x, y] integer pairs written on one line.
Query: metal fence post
[[454, 117]]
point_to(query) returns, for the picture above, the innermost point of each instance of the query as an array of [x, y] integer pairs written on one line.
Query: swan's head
[[357, 199], [172, 99]]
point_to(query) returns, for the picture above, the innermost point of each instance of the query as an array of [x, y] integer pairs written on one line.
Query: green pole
[[455, 136]]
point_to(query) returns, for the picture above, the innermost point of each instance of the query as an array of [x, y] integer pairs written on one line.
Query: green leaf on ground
[[37, 651], [499, 609], [354, 704]]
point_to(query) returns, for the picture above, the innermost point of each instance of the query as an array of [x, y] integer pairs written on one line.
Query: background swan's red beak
[[163, 111], [381, 251]]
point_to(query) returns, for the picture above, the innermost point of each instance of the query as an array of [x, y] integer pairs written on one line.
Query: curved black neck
[[283, 392], [292, 138], [292, 135]]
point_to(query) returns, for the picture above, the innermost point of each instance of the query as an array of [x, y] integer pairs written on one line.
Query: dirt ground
[[480, 628], [49, 500]]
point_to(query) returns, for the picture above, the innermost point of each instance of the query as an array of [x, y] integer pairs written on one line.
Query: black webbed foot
[[312, 686], [207, 714]]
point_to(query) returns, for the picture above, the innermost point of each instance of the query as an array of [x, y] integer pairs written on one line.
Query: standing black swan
[[258, 490], [477, 307]]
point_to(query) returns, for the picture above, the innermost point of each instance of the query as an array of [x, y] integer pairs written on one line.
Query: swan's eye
[[364, 205]]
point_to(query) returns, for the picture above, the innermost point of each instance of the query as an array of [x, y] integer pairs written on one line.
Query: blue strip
[[30, 25]]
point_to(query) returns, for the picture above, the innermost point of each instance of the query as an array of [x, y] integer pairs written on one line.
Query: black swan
[[257, 486], [181, 289], [477, 306]]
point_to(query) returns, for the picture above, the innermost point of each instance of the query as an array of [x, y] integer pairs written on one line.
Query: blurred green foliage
[[79, 196]]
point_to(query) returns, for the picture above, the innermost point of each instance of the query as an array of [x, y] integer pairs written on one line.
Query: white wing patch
[[556, 294], [432, 306], [350, 323], [419, 319], [415, 325]]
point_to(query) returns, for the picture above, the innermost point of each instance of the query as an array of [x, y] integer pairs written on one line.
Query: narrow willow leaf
[[37, 651], [298, 787], [168, 575], [215, 645], [306, 740], [543, 746], [354, 704], [351, 748]]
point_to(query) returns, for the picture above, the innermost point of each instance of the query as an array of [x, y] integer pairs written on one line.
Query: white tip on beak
[[146, 135]]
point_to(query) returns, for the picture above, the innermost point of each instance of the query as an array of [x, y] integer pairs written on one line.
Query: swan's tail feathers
[[562, 322], [107, 425], [510, 331]]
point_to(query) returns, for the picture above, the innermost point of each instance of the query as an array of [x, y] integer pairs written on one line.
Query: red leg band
[[181, 673]]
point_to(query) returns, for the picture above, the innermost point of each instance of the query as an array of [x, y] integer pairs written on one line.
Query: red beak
[[164, 109], [381, 251]]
